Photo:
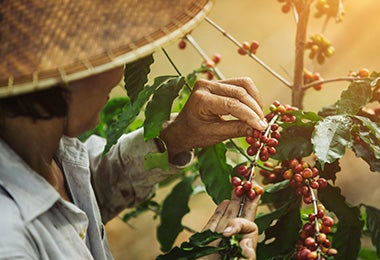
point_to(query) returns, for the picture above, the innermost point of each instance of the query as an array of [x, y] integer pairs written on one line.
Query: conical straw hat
[[44, 42]]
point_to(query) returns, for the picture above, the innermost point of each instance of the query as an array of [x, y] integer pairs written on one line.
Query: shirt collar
[[31, 192]]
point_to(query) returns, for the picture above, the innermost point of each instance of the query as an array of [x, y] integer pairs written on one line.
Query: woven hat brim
[[40, 75]]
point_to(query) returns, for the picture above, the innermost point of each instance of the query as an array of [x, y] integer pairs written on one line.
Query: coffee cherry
[[327, 221], [310, 242], [247, 185], [363, 73], [210, 64], [250, 139], [258, 190], [272, 142], [254, 46], [251, 194], [236, 181], [272, 150], [239, 191], [216, 58], [182, 44], [241, 169], [322, 182], [251, 151], [307, 173]]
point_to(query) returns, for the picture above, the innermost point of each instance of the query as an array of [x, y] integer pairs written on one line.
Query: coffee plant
[[295, 160]]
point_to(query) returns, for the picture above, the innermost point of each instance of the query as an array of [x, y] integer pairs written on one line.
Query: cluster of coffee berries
[[284, 111], [330, 8], [287, 6], [313, 242], [309, 77], [208, 65], [247, 47], [262, 144], [320, 48], [243, 185], [303, 178], [271, 173]]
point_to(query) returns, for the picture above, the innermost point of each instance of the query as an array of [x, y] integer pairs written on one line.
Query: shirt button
[[82, 234]]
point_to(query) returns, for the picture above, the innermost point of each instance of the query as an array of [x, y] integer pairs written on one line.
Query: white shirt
[[36, 223]]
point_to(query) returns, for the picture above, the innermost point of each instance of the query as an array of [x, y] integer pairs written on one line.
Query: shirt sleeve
[[119, 178]]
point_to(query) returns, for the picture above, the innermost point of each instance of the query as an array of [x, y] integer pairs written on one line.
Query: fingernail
[[228, 230], [263, 123]]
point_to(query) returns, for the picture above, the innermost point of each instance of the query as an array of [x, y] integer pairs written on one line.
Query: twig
[[251, 55], [175, 67], [196, 46], [352, 79]]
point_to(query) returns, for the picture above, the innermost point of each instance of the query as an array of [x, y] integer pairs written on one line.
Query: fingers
[[248, 85], [250, 232], [236, 97], [218, 214]]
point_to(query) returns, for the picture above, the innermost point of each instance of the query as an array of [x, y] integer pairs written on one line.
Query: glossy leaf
[[174, 207], [197, 246], [294, 142], [331, 137], [136, 76], [264, 221], [355, 97], [129, 113], [159, 107], [215, 172], [280, 238], [367, 155]]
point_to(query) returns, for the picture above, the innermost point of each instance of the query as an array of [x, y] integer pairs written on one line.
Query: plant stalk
[[303, 10]]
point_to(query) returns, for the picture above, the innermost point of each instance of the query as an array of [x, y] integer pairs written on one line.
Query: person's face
[[87, 98]]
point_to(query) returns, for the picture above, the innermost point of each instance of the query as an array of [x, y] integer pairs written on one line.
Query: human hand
[[225, 220], [200, 123]]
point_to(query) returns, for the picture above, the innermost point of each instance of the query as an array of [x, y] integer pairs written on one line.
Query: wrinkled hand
[[201, 122], [225, 220]]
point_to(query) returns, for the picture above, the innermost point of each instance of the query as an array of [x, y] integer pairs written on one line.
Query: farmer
[[59, 61]]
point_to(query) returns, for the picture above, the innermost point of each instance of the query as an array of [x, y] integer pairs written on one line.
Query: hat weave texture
[[44, 42]]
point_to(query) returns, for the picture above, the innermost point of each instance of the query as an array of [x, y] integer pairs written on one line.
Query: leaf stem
[[175, 67]]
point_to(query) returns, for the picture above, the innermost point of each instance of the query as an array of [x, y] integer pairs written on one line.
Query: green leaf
[[278, 193], [148, 205], [346, 239], [129, 113], [174, 208], [355, 97], [330, 138], [195, 248], [281, 238], [373, 225], [372, 126], [157, 160], [215, 172], [294, 142], [366, 153], [136, 76], [329, 171], [159, 107], [265, 220]]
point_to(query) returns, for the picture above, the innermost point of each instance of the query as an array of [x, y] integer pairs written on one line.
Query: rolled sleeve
[[119, 178]]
